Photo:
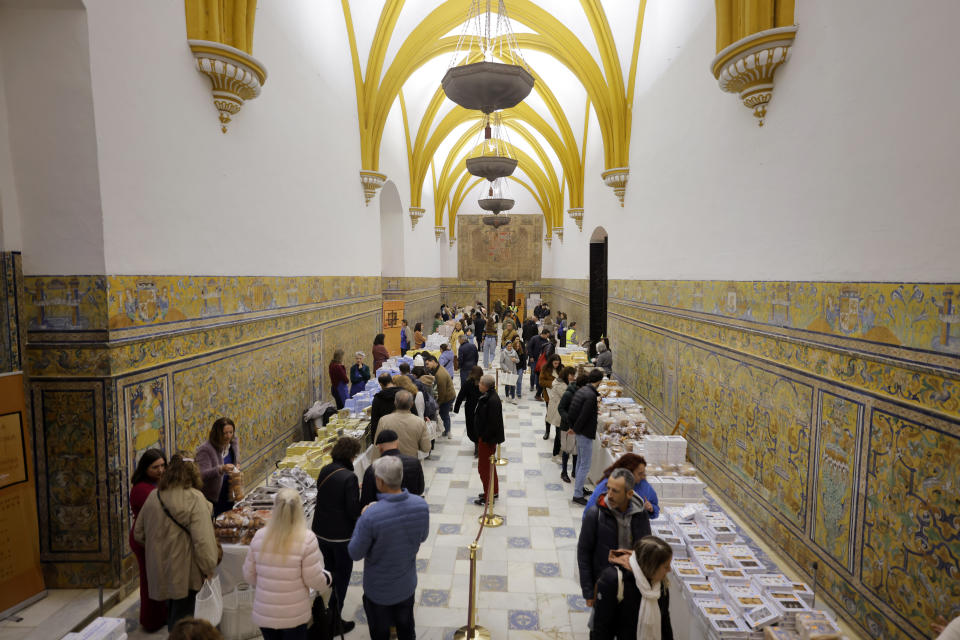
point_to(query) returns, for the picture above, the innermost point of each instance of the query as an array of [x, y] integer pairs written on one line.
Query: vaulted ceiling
[[583, 54]]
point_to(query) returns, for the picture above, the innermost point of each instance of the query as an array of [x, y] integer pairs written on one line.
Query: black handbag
[[326, 619]]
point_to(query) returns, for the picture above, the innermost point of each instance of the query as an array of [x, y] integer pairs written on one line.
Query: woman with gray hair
[[488, 423], [359, 374], [604, 358]]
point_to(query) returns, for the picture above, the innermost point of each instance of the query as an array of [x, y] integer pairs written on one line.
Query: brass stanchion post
[[500, 459], [489, 518], [472, 631]]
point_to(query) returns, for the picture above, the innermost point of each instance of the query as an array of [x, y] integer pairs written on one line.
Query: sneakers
[[565, 477], [447, 435], [581, 501], [587, 492]]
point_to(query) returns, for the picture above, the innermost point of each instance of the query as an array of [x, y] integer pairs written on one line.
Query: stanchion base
[[479, 633], [490, 521], [502, 461]]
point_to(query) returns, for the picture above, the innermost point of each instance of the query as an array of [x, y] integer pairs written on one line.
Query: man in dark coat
[[583, 420], [383, 402], [488, 421], [534, 348], [388, 444], [529, 329], [617, 521], [468, 357]]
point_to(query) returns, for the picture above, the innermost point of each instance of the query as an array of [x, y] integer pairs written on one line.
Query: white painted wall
[[48, 147], [278, 195], [851, 178]]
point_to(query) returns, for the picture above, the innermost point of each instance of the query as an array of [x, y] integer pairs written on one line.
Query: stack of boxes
[[101, 629]]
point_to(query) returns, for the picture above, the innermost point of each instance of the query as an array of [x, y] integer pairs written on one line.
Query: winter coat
[[446, 361], [445, 391], [383, 404], [209, 460], [338, 502], [282, 581], [553, 408], [508, 336], [528, 330], [470, 393], [583, 411], [605, 361], [598, 536], [489, 418], [546, 377], [468, 357], [177, 561], [418, 340], [563, 407], [411, 430], [412, 478], [388, 537], [617, 619], [534, 347], [508, 360], [359, 374], [380, 355], [479, 325], [338, 374]]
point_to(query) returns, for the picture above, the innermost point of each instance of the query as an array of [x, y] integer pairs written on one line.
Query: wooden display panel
[[392, 323], [20, 575]]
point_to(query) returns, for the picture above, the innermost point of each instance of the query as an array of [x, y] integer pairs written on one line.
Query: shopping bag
[[326, 620], [508, 379], [236, 622], [209, 604]]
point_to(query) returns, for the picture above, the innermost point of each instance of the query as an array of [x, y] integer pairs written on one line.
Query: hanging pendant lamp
[[497, 200], [487, 85], [494, 160]]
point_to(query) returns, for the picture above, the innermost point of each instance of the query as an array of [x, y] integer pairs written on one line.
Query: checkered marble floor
[[527, 584]]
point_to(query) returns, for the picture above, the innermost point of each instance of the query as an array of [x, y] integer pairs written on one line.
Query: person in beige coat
[[283, 564], [175, 526], [412, 430]]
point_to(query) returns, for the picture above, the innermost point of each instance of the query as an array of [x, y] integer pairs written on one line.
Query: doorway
[[504, 290], [598, 288]]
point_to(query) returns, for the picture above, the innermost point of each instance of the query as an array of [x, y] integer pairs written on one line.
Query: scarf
[[648, 622]]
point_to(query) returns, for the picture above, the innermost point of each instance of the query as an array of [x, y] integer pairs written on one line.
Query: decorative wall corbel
[[438, 232], [415, 214], [754, 38], [617, 178], [558, 232], [220, 36], [371, 181], [576, 214]]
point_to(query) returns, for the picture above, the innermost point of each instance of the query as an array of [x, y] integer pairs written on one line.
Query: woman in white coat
[[283, 564]]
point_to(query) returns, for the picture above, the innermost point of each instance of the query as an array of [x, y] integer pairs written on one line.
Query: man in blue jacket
[[387, 537]]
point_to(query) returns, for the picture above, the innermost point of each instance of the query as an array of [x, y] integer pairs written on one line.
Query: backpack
[[542, 360]]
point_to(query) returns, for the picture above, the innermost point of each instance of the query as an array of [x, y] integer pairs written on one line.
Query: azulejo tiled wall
[[119, 364], [828, 413], [12, 331]]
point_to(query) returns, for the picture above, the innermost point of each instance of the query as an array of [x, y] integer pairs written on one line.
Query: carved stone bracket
[[747, 66], [548, 239], [415, 214], [558, 232], [438, 232], [234, 75], [577, 214], [616, 178], [371, 181]]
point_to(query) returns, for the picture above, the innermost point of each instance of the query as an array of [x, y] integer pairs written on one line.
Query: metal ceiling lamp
[[498, 199], [493, 160], [487, 85]]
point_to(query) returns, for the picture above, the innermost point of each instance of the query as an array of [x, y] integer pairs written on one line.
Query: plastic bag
[[237, 609], [210, 602]]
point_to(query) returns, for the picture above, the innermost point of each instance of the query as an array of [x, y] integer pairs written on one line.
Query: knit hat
[[418, 360], [386, 436]]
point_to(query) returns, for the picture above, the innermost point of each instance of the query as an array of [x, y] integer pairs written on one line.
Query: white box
[[105, 629]]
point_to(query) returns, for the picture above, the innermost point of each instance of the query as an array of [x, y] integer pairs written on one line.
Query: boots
[[546, 435]]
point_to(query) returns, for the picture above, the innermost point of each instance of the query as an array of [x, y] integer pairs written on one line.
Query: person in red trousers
[[488, 422]]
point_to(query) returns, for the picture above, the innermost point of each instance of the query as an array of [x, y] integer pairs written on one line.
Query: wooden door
[[500, 290]]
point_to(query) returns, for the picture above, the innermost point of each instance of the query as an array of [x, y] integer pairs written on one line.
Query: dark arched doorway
[[598, 287]]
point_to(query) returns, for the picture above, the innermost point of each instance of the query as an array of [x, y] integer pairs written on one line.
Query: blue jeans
[[445, 416], [584, 455], [534, 380], [519, 387], [489, 350]]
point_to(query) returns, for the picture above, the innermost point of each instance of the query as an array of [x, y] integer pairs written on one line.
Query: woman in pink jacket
[[283, 564]]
